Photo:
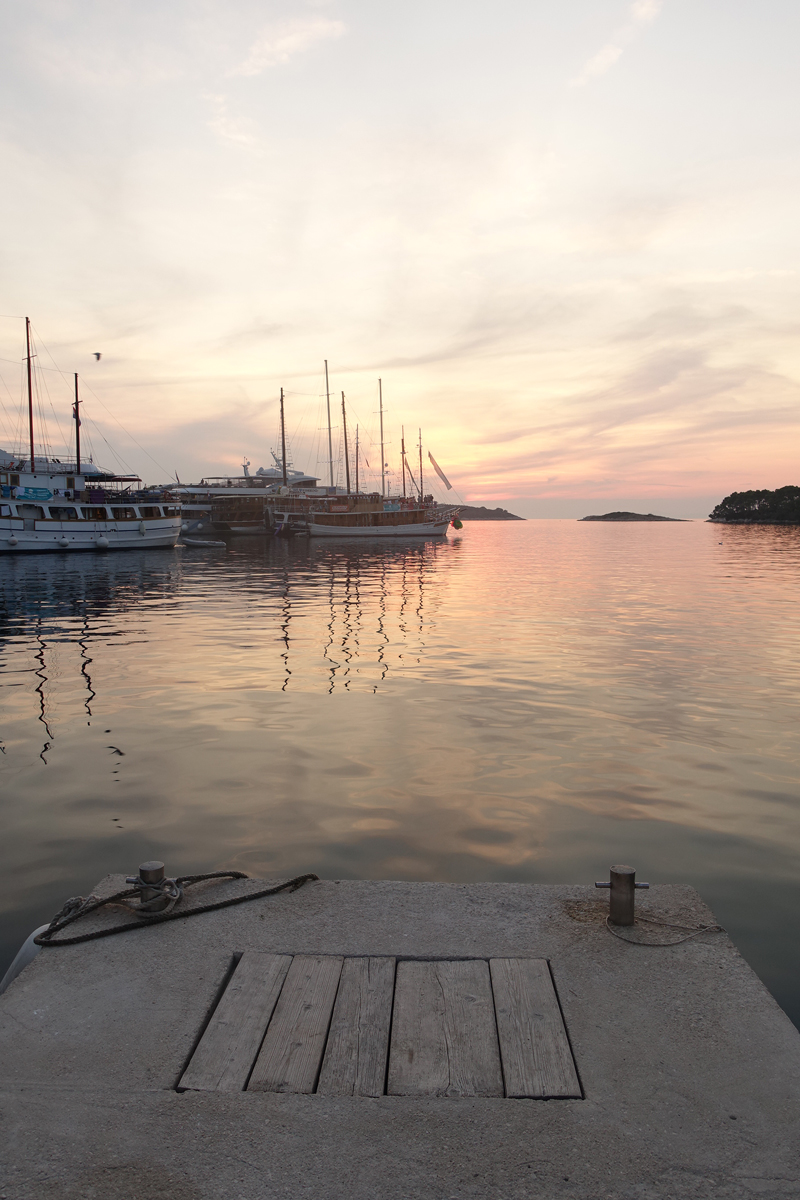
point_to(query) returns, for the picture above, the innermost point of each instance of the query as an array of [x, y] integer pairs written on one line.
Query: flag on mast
[[440, 472]]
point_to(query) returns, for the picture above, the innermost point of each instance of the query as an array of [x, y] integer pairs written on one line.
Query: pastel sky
[[564, 235]]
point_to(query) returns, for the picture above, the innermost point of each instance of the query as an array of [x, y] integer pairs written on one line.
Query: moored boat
[[45, 510], [50, 505]]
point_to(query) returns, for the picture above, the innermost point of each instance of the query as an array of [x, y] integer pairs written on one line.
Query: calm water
[[524, 702]]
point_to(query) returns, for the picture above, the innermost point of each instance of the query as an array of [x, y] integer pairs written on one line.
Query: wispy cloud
[[641, 13], [279, 43], [228, 128]]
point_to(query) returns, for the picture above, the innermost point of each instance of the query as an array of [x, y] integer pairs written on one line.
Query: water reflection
[[529, 702]]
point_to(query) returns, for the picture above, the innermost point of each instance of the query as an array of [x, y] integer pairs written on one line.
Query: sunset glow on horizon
[[564, 238]]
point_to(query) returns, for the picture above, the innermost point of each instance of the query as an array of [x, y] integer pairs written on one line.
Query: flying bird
[[98, 355]]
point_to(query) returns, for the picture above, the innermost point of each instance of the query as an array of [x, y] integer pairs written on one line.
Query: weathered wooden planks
[[537, 1060], [444, 1038], [228, 1048], [358, 1041], [320, 1022], [292, 1050]]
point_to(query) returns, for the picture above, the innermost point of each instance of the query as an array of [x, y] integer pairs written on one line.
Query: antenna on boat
[[420, 464], [283, 436], [403, 454], [346, 456], [76, 414], [330, 443], [356, 460], [30, 387], [383, 459]]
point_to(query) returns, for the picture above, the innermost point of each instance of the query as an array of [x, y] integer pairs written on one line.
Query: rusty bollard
[[623, 890]]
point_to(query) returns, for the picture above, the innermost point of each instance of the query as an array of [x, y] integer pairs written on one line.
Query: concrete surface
[[691, 1071]]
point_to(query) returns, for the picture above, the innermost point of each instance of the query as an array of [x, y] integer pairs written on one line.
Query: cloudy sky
[[564, 235]]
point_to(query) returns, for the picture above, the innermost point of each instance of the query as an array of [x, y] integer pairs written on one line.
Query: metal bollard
[[621, 901], [152, 872]]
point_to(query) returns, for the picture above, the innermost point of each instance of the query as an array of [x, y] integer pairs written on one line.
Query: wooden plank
[[358, 1041], [228, 1048], [292, 1050], [444, 1038], [537, 1060]]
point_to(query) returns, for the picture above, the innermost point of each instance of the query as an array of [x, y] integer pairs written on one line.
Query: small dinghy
[[199, 542]]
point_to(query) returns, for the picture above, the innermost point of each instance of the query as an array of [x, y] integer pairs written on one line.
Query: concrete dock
[[151, 1065]]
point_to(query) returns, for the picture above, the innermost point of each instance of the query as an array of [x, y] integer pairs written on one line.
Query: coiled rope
[[173, 889]]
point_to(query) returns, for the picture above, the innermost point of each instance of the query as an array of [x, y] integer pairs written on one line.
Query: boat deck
[[384, 1039]]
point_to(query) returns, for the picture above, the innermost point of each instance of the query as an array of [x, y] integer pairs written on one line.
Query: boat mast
[[77, 428], [356, 460], [403, 455], [30, 387], [346, 456], [283, 443], [420, 464], [383, 460], [330, 443]]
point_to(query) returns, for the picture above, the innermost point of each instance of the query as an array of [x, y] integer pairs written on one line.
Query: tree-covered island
[[781, 507]]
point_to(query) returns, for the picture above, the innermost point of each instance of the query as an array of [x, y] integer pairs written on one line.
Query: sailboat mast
[[383, 458], [77, 428], [346, 455], [30, 387], [356, 460], [283, 443], [403, 454], [330, 442], [420, 464]]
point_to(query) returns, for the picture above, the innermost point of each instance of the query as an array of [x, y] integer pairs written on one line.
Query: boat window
[[171, 510], [150, 513], [30, 510], [94, 514], [3, 477], [63, 514], [15, 480], [123, 514], [71, 484], [5, 510]]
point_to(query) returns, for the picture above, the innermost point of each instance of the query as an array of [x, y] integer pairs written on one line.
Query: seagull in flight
[[98, 355]]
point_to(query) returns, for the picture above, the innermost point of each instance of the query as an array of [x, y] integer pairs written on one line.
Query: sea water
[[523, 701]]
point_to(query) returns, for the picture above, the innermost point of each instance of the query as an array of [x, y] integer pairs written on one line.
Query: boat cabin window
[[94, 514], [5, 510], [15, 480], [3, 477], [123, 514], [172, 510], [31, 510], [71, 485], [150, 513], [63, 514]]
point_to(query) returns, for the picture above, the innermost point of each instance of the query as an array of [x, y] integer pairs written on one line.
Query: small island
[[471, 513], [780, 507], [629, 516]]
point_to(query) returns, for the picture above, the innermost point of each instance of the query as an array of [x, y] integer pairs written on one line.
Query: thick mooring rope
[[80, 906]]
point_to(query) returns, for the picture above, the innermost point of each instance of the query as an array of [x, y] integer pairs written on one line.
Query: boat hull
[[418, 529], [101, 535]]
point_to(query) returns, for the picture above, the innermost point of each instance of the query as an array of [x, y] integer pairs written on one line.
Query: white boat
[[48, 511], [49, 505], [357, 517]]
